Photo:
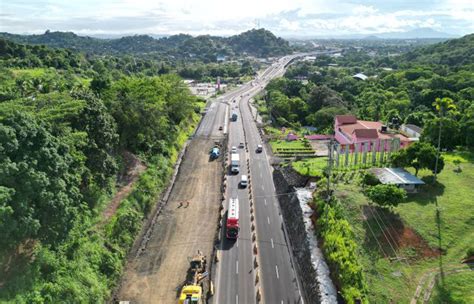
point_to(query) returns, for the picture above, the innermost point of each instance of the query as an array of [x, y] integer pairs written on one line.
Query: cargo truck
[[234, 163], [232, 222]]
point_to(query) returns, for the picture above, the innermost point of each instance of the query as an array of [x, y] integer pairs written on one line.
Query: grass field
[[430, 232], [311, 166]]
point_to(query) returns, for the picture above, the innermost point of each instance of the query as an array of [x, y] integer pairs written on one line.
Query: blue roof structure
[[396, 176]]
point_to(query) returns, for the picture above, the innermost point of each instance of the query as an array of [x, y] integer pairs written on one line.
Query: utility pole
[[329, 172]]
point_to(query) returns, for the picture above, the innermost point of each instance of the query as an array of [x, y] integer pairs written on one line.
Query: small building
[[411, 130], [291, 137], [399, 177], [360, 76]]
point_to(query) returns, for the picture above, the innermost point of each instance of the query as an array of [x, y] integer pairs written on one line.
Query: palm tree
[[444, 106]]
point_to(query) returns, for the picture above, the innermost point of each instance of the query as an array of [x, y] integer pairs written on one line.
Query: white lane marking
[[261, 176], [237, 242], [236, 299], [263, 188], [278, 275], [268, 220], [265, 201], [237, 267], [259, 165], [272, 243]]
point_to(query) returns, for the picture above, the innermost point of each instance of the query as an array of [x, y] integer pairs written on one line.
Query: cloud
[[295, 17]]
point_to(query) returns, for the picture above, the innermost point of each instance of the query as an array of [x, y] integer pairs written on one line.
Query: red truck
[[232, 223]]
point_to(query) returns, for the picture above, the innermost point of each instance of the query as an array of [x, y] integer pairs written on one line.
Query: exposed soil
[[133, 168], [16, 260], [407, 237], [187, 223], [395, 235]]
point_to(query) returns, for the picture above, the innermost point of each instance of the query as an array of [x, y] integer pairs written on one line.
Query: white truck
[[234, 163]]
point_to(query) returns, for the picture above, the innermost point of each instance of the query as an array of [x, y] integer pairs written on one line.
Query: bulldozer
[[192, 291]]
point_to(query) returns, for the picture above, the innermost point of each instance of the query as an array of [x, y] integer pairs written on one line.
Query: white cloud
[[287, 17]]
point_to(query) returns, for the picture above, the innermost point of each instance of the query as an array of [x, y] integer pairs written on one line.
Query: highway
[[236, 275]]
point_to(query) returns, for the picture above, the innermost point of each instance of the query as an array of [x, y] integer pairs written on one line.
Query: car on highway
[[233, 149], [259, 148], [220, 128], [241, 145], [243, 181]]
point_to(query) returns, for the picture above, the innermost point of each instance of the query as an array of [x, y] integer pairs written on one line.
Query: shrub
[[369, 179], [386, 195], [341, 251]]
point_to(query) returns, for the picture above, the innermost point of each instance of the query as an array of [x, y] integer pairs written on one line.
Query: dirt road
[[187, 223]]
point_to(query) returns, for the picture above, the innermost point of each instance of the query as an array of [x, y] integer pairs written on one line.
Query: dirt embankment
[[133, 168], [187, 223]]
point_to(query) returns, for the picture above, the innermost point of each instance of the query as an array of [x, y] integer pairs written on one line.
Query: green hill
[[453, 53], [259, 43]]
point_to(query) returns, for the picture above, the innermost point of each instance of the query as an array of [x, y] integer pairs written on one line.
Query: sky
[[287, 18]]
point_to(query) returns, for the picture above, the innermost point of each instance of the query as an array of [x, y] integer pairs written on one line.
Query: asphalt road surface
[[235, 280]]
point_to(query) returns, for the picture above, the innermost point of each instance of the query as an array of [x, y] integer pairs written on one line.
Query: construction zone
[[194, 290], [163, 271]]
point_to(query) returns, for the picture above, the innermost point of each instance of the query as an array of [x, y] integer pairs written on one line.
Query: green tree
[[39, 183], [386, 195], [443, 106], [419, 155]]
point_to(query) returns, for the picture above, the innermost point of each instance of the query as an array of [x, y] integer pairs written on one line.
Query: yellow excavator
[[192, 293]]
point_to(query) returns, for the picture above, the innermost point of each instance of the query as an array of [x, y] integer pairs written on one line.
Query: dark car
[[220, 128]]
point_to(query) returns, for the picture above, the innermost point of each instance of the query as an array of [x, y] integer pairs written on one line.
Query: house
[[399, 177], [351, 132], [291, 137], [412, 131], [360, 76]]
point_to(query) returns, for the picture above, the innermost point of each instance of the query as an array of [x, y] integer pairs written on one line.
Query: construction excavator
[[192, 291]]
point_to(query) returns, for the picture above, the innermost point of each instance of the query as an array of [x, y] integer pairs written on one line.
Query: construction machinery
[[192, 291]]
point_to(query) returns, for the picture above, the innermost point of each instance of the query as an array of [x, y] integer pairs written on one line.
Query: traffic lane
[[238, 279], [260, 168], [274, 250]]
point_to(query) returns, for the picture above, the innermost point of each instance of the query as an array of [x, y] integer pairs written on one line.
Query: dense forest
[[398, 88], [68, 123], [107, 66], [258, 43]]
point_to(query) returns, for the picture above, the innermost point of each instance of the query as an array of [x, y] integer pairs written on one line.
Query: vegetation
[[259, 43], [399, 89], [386, 195], [419, 155], [341, 251], [66, 121]]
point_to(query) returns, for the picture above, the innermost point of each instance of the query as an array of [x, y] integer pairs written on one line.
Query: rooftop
[[360, 76], [414, 128], [361, 129], [396, 176], [346, 119]]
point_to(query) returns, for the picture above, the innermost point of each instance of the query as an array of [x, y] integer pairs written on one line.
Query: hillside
[[454, 53], [259, 43]]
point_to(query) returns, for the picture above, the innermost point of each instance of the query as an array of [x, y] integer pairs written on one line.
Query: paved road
[[235, 281]]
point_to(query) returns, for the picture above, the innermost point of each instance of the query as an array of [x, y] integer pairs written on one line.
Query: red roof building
[[351, 131]]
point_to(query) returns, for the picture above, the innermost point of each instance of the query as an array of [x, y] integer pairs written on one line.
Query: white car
[[233, 149], [243, 181]]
